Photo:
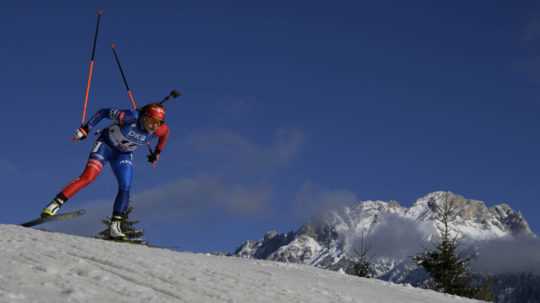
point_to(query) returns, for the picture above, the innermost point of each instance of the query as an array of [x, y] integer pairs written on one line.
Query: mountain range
[[392, 234]]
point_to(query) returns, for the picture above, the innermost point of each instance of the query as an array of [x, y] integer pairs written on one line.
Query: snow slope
[[37, 266]]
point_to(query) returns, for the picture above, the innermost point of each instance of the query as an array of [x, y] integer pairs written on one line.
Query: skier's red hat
[[154, 110]]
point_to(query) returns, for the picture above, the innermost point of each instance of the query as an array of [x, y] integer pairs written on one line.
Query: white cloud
[[397, 237], [231, 184], [288, 143], [179, 199], [186, 196], [509, 255], [403, 238], [312, 200], [229, 150]]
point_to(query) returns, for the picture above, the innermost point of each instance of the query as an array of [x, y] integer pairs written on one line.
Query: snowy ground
[[38, 266]]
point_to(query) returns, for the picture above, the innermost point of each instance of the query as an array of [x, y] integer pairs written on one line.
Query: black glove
[[153, 157]]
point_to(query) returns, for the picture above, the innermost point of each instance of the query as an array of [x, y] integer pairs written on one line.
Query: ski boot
[[115, 229], [53, 207]]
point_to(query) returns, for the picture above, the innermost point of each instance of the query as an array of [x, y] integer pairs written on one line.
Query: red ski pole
[[130, 93], [91, 68]]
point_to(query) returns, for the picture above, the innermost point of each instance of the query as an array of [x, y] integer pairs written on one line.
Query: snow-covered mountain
[[37, 266], [391, 233], [326, 240]]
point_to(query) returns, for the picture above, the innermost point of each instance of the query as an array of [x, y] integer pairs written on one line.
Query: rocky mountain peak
[[327, 234]]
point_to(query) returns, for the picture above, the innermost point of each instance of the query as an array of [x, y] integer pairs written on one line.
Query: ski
[[59, 217], [125, 240]]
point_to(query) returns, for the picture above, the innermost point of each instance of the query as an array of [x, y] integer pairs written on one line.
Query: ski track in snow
[[39, 266]]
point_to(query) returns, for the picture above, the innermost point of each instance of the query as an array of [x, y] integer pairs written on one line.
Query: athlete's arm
[[163, 136], [116, 115]]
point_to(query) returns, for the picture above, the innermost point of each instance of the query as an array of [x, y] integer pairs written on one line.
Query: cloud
[[190, 195], [181, 199], [312, 200], [399, 237], [230, 151], [395, 237], [508, 255], [234, 181], [288, 143]]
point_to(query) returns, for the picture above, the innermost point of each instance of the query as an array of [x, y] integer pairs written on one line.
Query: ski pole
[[130, 93], [91, 67]]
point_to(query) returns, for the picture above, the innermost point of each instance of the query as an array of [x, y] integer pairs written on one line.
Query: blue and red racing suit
[[116, 145]]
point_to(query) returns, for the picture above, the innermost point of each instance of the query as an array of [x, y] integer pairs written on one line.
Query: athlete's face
[[151, 124]]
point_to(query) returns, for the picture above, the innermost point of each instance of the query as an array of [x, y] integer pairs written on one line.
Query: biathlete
[[115, 145]]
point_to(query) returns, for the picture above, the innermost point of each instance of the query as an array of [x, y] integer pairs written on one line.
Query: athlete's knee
[[123, 194], [124, 179], [124, 188], [92, 170]]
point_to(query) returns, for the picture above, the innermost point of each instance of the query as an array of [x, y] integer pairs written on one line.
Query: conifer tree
[[448, 268], [361, 265]]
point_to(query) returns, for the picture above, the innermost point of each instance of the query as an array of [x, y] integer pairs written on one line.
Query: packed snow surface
[[37, 266]]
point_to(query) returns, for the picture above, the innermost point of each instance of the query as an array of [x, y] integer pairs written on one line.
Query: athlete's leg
[[122, 166], [99, 155]]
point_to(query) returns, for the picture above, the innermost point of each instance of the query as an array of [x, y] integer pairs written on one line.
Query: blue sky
[[286, 100]]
